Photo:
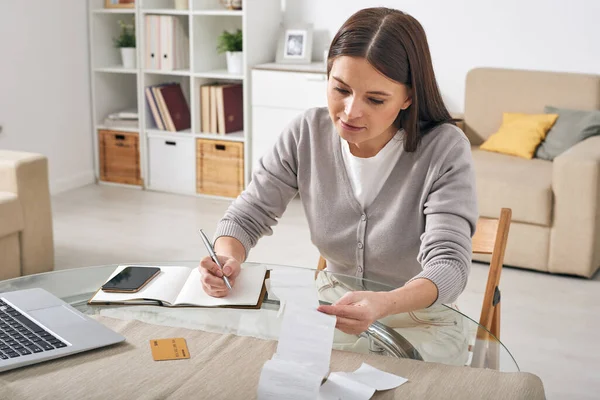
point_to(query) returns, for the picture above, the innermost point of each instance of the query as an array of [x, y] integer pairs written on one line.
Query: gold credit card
[[169, 349]]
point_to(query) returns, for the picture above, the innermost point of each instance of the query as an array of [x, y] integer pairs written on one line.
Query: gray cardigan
[[419, 226]]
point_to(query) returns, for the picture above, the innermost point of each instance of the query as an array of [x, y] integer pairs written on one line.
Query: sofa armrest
[[26, 175], [575, 236]]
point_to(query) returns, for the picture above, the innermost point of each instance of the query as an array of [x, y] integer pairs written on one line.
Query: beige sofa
[[555, 204], [26, 241]]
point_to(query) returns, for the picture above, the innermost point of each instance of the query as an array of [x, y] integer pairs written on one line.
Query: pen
[[212, 254]]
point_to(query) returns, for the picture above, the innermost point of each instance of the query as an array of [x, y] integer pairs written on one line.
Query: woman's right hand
[[212, 276]]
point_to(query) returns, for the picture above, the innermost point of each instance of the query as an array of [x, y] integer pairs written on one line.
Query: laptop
[[37, 326]]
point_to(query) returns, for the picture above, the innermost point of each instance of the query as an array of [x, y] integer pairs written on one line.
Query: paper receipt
[[169, 349]]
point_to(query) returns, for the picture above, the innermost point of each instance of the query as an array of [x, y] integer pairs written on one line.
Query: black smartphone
[[130, 279]]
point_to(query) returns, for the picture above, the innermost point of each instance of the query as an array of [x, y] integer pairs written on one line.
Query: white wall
[[552, 35], [45, 86]]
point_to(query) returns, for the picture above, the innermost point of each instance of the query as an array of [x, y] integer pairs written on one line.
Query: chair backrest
[[490, 237]]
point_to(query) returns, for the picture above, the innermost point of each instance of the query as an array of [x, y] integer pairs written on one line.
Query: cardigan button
[[360, 245], [363, 217]]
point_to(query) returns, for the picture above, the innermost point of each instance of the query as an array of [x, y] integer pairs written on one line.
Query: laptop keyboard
[[20, 336]]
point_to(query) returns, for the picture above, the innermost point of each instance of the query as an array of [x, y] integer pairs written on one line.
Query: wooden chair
[[490, 237]]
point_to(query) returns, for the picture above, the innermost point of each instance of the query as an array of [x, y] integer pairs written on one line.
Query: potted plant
[[126, 42], [231, 44]]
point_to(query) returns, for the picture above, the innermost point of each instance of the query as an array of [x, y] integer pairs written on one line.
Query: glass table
[[438, 334]]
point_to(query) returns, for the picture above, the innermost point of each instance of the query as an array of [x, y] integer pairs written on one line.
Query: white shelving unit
[[115, 88]]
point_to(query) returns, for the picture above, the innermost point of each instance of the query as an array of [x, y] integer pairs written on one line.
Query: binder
[[152, 29], [166, 42]]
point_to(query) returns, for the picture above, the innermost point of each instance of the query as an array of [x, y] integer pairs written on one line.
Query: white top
[[367, 175]]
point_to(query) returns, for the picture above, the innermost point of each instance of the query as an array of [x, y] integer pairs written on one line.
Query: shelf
[[121, 185], [178, 72], [117, 128], [117, 88], [315, 67], [232, 137], [166, 11], [157, 132], [114, 11], [219, 12], [218, 74], [117, 69]]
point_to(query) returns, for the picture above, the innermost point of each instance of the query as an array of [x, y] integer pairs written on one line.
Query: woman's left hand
[[355, 311]]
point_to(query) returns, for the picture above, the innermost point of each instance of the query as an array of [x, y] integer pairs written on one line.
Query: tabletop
[[439, 333]]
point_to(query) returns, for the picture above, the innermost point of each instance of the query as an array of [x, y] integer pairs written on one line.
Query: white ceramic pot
[[128, 57], [235, 62]]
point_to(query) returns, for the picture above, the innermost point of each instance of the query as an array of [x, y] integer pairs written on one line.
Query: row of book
[[222, 108], [168, 107], [167, 43]]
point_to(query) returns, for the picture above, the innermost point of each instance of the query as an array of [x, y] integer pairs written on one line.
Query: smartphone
[[131, 279]]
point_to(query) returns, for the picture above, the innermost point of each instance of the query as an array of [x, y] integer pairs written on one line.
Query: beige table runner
[[228, 367]]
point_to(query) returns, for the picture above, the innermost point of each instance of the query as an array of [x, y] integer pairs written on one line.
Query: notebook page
[[164, 287], [246, 290]]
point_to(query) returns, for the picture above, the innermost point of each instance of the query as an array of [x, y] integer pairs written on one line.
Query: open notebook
[[181, 286]]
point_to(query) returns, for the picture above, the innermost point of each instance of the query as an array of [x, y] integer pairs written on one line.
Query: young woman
[[385, 178]]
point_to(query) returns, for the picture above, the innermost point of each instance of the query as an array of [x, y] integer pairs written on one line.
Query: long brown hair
[[395, 44]]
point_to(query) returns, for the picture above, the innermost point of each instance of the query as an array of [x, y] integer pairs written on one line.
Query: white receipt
[[341, 387], [304, 349], [282, 379], [306, 338], [294, 286], [358, 385]]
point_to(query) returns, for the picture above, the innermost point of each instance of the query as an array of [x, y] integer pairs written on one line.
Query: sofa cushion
[[11, 214], [523, 185], [572, 127], [520, 134]]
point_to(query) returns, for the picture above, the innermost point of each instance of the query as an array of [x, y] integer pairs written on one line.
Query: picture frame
[[295, 44], [119, 3]]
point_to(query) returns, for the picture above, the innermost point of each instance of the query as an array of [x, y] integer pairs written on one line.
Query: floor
[[549, 323]]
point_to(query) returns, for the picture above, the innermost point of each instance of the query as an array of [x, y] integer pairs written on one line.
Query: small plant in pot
[[231, 44], [126, 42]]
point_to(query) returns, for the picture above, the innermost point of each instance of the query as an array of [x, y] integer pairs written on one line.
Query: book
[[230, 108], [181, 287], [164, 113], [176, 106], [213, 109], [205, 108], [151, 101]]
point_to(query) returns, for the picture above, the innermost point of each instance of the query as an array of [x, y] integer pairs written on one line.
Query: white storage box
[[172, 164]]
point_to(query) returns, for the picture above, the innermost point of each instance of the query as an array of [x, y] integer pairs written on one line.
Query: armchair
[[26, 239], [556, 204]]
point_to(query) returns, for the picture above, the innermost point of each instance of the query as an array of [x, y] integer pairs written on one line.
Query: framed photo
[[119, 3], [295, 45]]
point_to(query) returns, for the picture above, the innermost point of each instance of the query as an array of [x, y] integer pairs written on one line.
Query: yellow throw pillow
[[520, 134]]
